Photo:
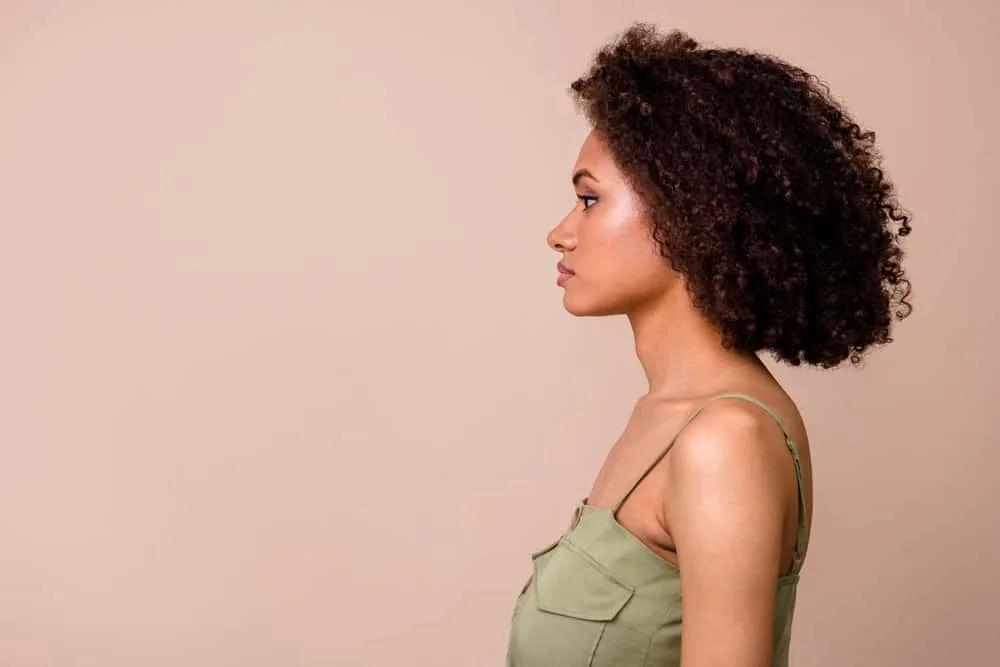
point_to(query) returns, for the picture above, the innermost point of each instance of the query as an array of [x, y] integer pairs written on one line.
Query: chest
[[596, 597]]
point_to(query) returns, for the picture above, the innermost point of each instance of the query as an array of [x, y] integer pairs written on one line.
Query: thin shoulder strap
[[803, 527]]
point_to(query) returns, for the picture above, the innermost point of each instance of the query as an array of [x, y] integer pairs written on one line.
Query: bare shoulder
[[731, 512], [730, 434], [732, 485]]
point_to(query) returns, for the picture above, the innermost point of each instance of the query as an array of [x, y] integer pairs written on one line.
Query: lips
[[564, 274]]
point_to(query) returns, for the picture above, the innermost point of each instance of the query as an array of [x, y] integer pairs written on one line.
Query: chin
[[579, 307]]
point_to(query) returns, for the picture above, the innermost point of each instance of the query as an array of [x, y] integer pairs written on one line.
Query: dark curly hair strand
[[761, 191]]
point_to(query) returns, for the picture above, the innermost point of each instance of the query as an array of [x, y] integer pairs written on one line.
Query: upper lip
[[564, 269]]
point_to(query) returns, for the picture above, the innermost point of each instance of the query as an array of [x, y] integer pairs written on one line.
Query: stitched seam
[[649, 646], [597, 565], [597, 642]]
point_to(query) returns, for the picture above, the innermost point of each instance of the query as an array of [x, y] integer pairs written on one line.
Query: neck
[[680, 353]]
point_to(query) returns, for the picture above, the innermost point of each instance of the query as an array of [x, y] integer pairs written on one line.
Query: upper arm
[[727, 509]]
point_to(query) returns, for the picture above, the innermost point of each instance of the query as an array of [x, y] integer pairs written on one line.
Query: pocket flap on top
[[573, 584]]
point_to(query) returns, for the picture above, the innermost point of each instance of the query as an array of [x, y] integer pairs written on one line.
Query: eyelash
[[585, 199]]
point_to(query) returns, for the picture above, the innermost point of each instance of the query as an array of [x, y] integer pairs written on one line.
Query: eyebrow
[[583, 173]]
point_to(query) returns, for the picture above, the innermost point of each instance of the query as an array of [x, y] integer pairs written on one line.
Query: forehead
[[595, 157]]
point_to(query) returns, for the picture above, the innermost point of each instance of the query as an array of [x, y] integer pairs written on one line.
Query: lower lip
[[563, 277]]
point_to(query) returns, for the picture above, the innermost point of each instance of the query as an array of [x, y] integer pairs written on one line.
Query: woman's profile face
[[606, 241]]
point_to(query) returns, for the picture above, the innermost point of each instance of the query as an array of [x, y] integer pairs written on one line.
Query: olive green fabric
[[599, 596]]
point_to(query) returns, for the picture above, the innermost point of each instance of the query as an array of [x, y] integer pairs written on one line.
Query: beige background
[[285, 375]]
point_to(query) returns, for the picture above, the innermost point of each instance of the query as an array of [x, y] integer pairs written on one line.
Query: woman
[[728, 207]]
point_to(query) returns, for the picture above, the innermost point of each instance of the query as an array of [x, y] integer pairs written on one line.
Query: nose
[[561, 237]]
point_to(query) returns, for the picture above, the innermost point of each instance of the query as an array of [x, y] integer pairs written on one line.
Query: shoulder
[[730, 489], [728, 434], [730, 461]]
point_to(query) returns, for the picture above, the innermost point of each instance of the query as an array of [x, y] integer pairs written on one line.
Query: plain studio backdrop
[[284, 375]]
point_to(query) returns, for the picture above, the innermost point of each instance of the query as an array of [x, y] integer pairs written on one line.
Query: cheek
[[624, 268], [623, 230], [617, 254], [643, 273], [619, 224], [628, 247]]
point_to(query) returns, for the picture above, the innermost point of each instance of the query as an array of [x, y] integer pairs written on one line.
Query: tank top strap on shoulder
[[803, 524]]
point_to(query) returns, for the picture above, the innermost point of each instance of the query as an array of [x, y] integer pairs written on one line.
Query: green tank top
[[599, 596]]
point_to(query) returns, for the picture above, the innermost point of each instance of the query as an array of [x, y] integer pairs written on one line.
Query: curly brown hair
[[760, 189]]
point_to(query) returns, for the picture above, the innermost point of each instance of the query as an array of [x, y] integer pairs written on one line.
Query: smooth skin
[[722, 505]]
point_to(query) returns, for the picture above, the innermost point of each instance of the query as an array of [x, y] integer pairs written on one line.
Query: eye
[[587, 200]]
